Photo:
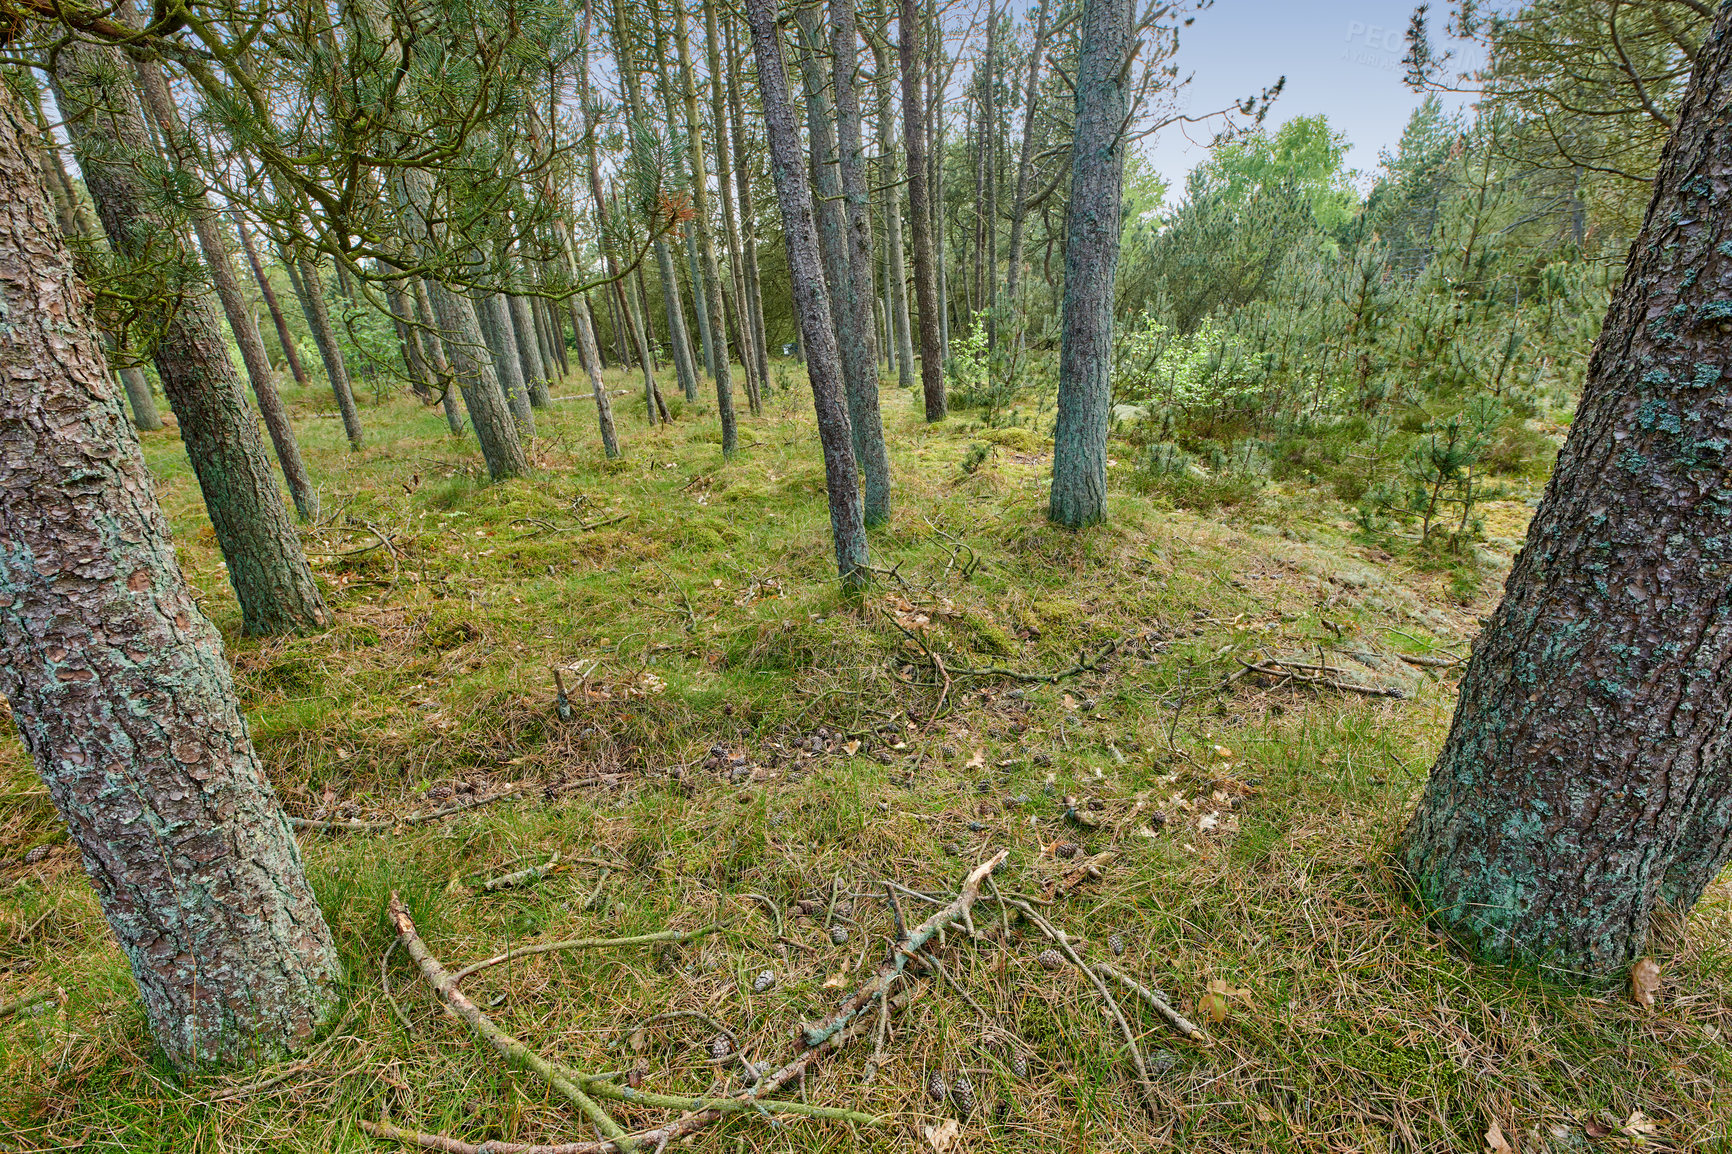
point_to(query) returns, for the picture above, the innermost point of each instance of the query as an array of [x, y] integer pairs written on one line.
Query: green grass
[[699, 596]]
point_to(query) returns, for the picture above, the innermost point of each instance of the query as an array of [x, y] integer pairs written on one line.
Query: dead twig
[[24, 1003], [875, 988], [408, 819], [672, 936], [1284, 670], [1157, 1003], [521, 877]]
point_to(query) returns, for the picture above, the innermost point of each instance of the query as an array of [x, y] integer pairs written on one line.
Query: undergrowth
[[747, 734]]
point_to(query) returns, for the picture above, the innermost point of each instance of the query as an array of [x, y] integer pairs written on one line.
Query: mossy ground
[[694, 604]]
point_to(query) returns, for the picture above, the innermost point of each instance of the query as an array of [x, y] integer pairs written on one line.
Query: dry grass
[[715, 650]]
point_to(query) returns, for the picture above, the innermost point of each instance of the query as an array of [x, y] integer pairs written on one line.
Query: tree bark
[[270, 298], [823, 361], [1025, 162], [591, 357], [859, 351], [120, 690], [449, 389], [138, 395], [310, 288], [494, 314], [920, 209], [1091, 258], [730, 225], [529, 352], [748, 219], [270, 575], [1584, 779]]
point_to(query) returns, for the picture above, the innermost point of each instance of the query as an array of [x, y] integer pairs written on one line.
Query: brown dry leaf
[[1644, 982], [942, 1137], [835, 981], [1217, 986], [1595, 1128], [1214, 1007], [1070, 703], [851, 747], [1640, 1126], [1495, 1142], [978, 760]]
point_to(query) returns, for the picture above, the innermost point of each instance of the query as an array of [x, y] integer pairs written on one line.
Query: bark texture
[[896, 265], [310, 287], [800, 233], [1091, 261], [270, 576], [270, 298], [120, 689], [920, 212], [1585, 780]]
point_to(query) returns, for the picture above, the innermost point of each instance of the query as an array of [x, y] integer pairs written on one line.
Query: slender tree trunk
[[1025, 162], [920, 210], [989, 156], [896, 272], [529, 352], [859, 354], [748, 218], [934, 145], [435, 348], [270, 299], [1584, 781], [679, 342], [138, 395], [717, 344], [409, 341], [270, 576], [730, 226], [1091, 258], [591, 357], [159, 104], [309, 287], [494, 314], [823, 361], [119, 687]]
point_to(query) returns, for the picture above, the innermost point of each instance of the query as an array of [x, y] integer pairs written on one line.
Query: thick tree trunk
[[1091, 259], [716, 343], [449, 389], [494, 314], [138, 395], [119, 687], [270, 576], [1584, 779], [859, 351], [529, 352], [270, 298], [823, 361], [896, 270], [920, 210]]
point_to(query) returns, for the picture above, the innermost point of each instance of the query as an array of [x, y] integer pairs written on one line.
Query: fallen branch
[[1285, 670], [532, 874], [674, 936], [24, 1003], [1429, 662], [508, 1047], [410, 819], [1157, 1003], [905, 949]]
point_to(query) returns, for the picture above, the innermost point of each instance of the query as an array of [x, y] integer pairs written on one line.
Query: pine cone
[[1067, 849], [838, 934], [962, 1095], [720, 1047], [1116, 944], [1051, 960], [935, 1087], [764, 982], [1019, 1064]]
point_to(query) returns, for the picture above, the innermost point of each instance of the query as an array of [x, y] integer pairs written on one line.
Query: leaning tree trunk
[[310, 288], [270, 298], [920, 212], [119, 687], [1584, 779], [800, 233], [754, 309], [1025, 161], [730, 226], [266, 567], [1091, 259], [138, 395], [896, 266], [449, 390], [160, 104]]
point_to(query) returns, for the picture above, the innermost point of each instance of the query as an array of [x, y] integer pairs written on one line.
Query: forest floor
[[749, 750]]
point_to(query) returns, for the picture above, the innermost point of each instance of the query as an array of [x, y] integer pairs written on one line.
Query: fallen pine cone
[[838, 934], [935, 1088], [720, 1047], [1051, 960], [1116, 944], [765, 981], [962, 1095], [1019, 1064]]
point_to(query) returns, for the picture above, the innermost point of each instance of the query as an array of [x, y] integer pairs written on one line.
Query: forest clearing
[[606, 576]]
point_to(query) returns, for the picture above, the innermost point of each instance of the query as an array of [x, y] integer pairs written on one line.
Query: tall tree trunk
[[1584, 779], [718, 349], [310, 288], [920, 211], [933, 60], [495, 317], [1091, 259], [748, 217], [896, 271], [823, 361], [679, 342], [119, 687], [270, 298], [220, 263], [1025, 162], [409, 341], [591, 357], [270, 575], [529, 352], [730, 226], [138, 395], [989, 157], [859, 362], [449, 390]]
